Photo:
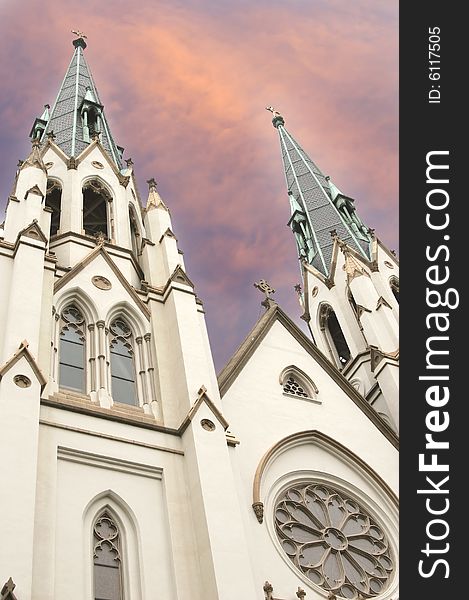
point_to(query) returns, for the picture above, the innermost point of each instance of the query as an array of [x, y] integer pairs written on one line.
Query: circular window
[[208, 425], [22, 381], [332, 540]]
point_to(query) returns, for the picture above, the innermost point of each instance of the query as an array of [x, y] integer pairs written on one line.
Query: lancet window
[[96, 199], [107, 558], [72, 350], [122, 363]]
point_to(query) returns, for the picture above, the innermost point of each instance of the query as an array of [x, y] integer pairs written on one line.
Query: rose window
[[333, 541]]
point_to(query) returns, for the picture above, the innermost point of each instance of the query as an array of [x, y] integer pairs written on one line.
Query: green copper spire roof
[[318, 207], [78, 115]]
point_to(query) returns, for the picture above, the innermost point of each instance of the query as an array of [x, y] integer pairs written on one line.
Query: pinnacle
[[154, 199]]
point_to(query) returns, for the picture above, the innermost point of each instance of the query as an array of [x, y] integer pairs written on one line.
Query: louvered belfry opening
[[54, 202], [95, 210]]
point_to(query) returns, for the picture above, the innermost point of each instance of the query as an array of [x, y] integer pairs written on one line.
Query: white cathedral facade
[[128, 469]]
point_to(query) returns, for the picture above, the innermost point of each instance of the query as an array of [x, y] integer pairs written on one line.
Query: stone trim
[[77, 237], [34, 231], [203, 397], [108, 436], [168, 233], [34, 190], [24, 352], [109, 462], [331, 444], [180, 276], [382, 302], [133, 416]]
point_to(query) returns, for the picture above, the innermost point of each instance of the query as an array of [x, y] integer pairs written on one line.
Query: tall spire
[[318, 207], [77, 115]]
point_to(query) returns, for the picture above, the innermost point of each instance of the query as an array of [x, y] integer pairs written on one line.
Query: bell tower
[[350, 279]]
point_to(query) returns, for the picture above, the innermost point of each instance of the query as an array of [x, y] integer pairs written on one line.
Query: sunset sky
[[184, 85]]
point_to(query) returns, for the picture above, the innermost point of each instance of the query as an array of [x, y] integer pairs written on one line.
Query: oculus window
[[333, 541]]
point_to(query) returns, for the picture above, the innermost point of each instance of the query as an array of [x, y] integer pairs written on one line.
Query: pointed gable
[[290, 340], [23, 352], [98, 265]]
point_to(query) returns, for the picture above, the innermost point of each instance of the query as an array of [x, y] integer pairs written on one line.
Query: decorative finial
[[267, 289], [100, 238], [298, 289], [268, 589], [333, 233], [7, 589], [151, 184], [277, 118], [80, 41], [301, 593], [51, 135], [258, 508], [129, 162], [95, 136]]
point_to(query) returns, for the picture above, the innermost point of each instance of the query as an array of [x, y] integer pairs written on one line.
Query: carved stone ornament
[[207, 425], [314, 291], [22, 381], [102, 283], [268, 589], [49, 165], [97, 165], [389, 264], [258, 508], [72, 163]]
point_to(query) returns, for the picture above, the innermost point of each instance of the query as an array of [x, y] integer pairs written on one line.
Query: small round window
[[333, 541]]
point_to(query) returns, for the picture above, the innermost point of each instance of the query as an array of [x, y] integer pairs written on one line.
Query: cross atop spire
[[80, 41], [267, 289], [317, 206]]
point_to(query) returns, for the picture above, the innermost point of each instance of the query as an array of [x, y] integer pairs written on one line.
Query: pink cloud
[[184, 87]]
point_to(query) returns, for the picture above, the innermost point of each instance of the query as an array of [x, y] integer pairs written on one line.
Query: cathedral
[[129, 469]]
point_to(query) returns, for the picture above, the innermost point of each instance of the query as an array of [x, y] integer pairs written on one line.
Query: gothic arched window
[[95, 208], [72, 350], [54, 201], [296, 383], [394, 284], [330, 326], [106, 558], [134, 232], [122, 363]]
